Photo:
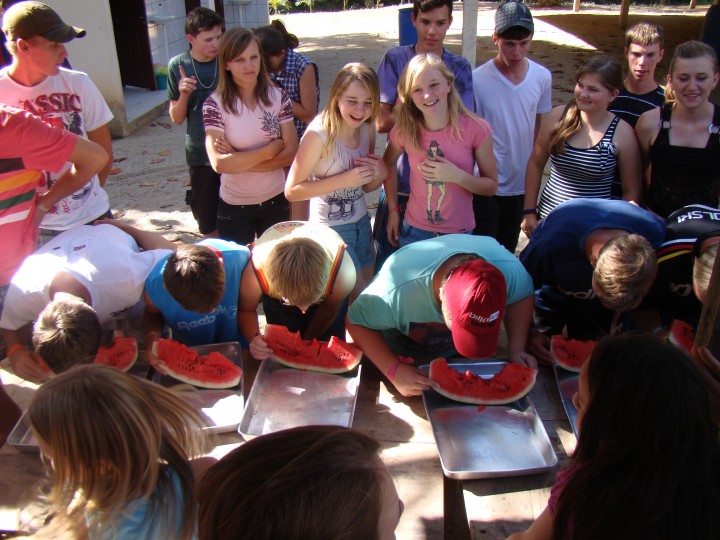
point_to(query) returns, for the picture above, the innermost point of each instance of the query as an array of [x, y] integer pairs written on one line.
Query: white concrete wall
[[248, 15], [94, 54]]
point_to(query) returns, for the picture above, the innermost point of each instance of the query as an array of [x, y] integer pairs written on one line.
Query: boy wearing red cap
[[440, 297]]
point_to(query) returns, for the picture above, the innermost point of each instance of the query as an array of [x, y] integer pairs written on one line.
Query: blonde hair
[[113, 438], [644, 34], [298, 270], [609, 71], [702, 271], [66, 333], [330, 118], [232, 44], [686, 51], [625, 271], [408, 118]]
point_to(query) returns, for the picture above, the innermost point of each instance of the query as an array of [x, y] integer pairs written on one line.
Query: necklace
[[198, 76]]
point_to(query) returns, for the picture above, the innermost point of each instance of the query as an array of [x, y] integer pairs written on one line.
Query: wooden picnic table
[[435, 507]]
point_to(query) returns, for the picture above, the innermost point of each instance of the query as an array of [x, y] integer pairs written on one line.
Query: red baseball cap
[[475, 296]]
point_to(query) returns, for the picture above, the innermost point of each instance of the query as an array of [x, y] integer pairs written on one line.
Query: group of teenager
[[436, 275]]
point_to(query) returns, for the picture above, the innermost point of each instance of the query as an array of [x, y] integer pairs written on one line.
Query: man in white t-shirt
[[61, 97], [512, 93]]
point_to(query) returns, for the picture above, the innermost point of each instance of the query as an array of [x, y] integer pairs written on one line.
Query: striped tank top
[[581, 172]]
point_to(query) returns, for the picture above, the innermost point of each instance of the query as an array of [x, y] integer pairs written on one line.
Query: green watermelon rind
[[121, 344], [448, 380], [209, 367], [334, 356], [558, 345]]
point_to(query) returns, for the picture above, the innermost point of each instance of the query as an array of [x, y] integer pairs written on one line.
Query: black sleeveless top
[[680, 175]]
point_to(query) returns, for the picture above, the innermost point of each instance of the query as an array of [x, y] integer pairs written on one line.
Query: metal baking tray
[[494, 441], [22, 437], [567, 382], [222, 409], [282, 397]]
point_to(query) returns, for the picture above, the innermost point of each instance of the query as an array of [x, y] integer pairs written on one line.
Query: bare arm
[[88, 158], [247, 319], [101, 136], [178, 109], [392, 153], [408, 380], [386, 119], [24, 363], [328, 309], [628, 154], [306, 108], [536, 165], [286, 156], [237, 161], [147, 240], [154, 323], [541, 529], [518, 317], [646, 130]]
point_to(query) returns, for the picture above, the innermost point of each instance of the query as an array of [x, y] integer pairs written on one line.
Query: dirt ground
[[148, 187]]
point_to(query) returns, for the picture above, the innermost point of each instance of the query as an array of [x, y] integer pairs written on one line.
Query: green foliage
[[280, 6]]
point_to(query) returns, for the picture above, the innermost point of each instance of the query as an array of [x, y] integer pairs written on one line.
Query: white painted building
[[128, 40]]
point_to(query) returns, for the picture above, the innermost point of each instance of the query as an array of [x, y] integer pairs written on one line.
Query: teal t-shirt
[[400, 300]]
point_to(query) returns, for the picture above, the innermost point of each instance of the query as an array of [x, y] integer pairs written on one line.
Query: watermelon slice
[[334, 356], [186, 365], [122, 355], [570, 353], [510, 384], [681, 335]]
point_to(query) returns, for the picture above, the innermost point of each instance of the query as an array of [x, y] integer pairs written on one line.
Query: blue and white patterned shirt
[[289, 80]]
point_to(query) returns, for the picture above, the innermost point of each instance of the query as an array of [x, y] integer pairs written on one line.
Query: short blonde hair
[[66, 333], [298, 270], [625, 271], [702, 271], [111, 437]]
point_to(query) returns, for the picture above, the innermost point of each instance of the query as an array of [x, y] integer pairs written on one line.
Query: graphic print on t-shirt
[[433, 152]]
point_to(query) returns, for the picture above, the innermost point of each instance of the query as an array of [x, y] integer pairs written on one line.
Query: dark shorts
[[499, 217], [203, 196], [383, 248], [242, 223]]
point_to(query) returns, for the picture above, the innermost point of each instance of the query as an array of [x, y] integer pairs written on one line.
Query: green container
[[161, 81]]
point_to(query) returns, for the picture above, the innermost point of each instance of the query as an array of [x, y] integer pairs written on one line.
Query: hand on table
[[259, 348], [523, 358], [538, 345], [27, 365], [410, 381]]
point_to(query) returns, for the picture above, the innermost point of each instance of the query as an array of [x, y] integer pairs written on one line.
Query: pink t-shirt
[[247, 130], [27, 147], [439, 206]]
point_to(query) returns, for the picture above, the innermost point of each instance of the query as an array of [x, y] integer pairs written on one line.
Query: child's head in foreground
[[111, 438], [646, 463], [319, 482]]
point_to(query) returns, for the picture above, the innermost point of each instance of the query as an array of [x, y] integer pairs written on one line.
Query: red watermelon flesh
[[570, 353], [334, 356], [511, 383], [681, 335], [186, 365], [122, 355]]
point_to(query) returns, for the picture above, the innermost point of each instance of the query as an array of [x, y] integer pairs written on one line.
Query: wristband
[[391, 372], [529, 211], [15, 347], [392, 209]]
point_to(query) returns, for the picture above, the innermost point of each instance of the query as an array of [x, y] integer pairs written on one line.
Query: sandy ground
[[148, 187]]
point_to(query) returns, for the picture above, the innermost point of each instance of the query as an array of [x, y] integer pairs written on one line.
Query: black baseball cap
[[26, 20], [511, 14]]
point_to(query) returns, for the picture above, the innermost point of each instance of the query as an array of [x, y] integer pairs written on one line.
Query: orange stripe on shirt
[[18, 180]]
